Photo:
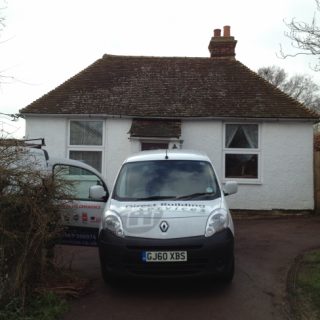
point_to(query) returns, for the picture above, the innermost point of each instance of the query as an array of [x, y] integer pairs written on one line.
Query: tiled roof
[[163, 87], [168, 128]]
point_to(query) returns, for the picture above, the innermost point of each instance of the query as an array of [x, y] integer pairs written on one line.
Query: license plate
[[164, 256]]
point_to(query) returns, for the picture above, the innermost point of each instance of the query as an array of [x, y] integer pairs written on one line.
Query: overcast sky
[[45, 42]]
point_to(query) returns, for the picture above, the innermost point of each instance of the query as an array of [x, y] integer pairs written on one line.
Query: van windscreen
[[166, 179]]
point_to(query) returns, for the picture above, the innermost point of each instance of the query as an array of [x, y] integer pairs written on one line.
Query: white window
[[241, 152], [86, 132], [86, 142]]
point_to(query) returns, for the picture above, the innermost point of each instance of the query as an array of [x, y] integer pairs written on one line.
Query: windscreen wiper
[[155, 198], [195, 195]]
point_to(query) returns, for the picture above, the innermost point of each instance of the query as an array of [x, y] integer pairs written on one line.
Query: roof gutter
[[100, 115]]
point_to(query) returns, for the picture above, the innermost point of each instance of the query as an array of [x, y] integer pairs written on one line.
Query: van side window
[[80, 181]]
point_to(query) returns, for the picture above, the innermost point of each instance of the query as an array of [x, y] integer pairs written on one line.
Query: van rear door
[[86, 196]]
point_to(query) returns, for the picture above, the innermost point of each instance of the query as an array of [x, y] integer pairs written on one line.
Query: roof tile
[[161, 87]]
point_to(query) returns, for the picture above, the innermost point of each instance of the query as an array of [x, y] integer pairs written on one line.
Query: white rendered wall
[[118, 147], [54, 130], [286, 157], [286, 162], [204, 136], [286, 170]]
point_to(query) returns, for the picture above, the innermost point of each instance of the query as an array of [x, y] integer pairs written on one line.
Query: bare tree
[[299, 87], [275, 75], [305, 38]]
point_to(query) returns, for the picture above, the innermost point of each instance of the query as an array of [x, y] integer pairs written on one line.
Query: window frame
[[255, 151], [84, 147]]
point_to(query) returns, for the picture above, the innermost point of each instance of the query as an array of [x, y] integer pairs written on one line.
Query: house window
[[86, 133], [86, 142], [241, 151], [92, 158]]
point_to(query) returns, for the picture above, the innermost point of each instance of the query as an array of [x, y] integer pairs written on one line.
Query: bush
[[30, 220], [46, 306]]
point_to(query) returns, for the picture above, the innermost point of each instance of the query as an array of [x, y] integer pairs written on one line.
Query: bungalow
[[254, 133]]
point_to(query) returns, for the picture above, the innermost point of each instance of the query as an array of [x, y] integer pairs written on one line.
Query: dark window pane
[[153, 146], [92, 158], [86, 133], [241, 136], [241, 166]]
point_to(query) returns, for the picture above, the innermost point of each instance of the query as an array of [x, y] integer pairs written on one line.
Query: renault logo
[[164, 226]]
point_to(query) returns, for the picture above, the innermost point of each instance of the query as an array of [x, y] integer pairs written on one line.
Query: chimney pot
[[217, 33], [226, 31]]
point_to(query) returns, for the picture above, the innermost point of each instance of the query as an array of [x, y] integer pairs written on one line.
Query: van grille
[[164, 247]]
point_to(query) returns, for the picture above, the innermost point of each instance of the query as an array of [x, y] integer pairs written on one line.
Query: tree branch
[[305, 38]]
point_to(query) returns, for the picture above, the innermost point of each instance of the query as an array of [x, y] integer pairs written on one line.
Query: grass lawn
[[44, 306], [49, 302], [304, 286]]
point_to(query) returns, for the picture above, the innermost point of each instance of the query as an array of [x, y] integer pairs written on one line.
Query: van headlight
[[113, 223], [217, 221]]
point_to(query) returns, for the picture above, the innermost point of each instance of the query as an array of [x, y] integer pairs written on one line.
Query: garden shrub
[[30, 221]]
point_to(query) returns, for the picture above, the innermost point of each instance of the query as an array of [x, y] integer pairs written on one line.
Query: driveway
[[265, 250]]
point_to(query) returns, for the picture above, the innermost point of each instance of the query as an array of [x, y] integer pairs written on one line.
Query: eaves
[[220, 118]]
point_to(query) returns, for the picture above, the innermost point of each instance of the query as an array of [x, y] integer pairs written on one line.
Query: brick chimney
[[222, 47]]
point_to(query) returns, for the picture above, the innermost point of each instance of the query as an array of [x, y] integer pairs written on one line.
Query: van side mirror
[[230, 187], [97, 192]]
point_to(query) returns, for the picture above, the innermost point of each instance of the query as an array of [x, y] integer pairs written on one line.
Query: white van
[[88, 193], [167, 216], [83, 208]]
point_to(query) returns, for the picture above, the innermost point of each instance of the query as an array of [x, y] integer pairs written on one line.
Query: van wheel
[[227, 275]]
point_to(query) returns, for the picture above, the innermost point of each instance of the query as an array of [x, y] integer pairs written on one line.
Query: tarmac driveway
[[265, 250]]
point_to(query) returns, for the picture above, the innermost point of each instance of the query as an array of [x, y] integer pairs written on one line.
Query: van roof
[[173, 154]]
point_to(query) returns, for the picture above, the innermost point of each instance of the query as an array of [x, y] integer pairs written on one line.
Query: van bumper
[[212, 256]]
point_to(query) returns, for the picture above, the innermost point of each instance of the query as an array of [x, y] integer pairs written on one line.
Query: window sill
[[243, 181]]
